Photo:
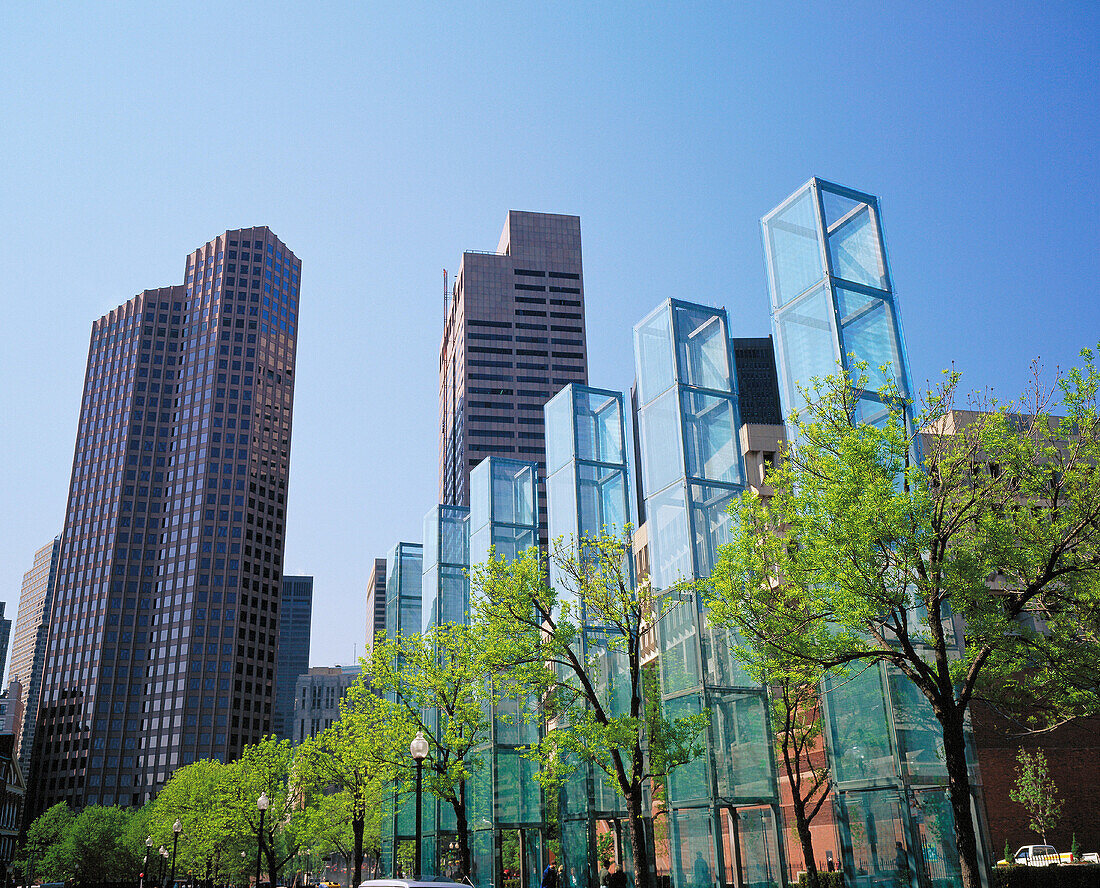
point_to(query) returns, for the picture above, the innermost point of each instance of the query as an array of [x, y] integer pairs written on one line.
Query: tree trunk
[[357, 824], [958, 777], [805, 839], [643, 871], [272, 866], [463, 838]]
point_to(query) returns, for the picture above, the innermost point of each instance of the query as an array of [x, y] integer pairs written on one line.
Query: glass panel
[[740, 740], [431, 604], [479, 495], [518, 798], [669, 545], [653, 355], [704, 348], [873, 835], [678, 661], [711, 523], [480, 789], [920, 741], [794, 248], [575, 847], [480, 541], [859, 732], [513, 492], [561, 504], [721, 667], [710, 437], [511, 542], [659, 427], [603, 500], [455, 593], [868, 334], [691, 841], [599, 426], [855, 250], [936, 827], [481, 858], [837, 206], [807, 344], [573, 794], [558, 414], [431, 537], [455, 531], [689, 782], [871, 411], [760, 862]]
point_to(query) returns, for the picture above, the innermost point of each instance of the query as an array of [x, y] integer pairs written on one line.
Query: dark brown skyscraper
[[513, 337], [165, 624]]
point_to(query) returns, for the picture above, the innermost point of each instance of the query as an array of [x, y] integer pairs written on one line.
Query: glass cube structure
[[404, 570], [724, 806], [505, 794], [833, 305], [588, 495], [832, 296]]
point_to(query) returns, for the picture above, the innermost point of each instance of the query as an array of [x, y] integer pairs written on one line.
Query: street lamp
[[262, 802], [177, 828], [418, 749], [145, 860], [163, 863]]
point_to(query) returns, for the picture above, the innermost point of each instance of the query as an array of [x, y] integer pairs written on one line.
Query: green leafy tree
[[591, 684], [436, 684], [264, 768], [350, 758], [41, 856], [94, 846], [193, 795], [1036, 792], [865, 556]]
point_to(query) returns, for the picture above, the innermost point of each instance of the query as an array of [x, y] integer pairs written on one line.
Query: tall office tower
[[724, 806], [5, 637], [29, 648], [513, 337], [295, 616], [833, 305], [376, 604], [165, 620]]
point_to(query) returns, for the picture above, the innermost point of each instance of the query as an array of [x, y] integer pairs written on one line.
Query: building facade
[[513, 337], [29, 646], [295, 617], [11, 708], [376, 604], [164, 626], [317, 696]]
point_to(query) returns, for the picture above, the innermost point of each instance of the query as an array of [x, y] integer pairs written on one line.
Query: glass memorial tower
[[833, 307], [724, 806], [587, 490], [404, 573], [505, 795]]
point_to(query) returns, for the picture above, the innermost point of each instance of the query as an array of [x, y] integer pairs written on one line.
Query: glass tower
[[505, 796], [723, 807], [833, 306], [588, 495], [404, 576]]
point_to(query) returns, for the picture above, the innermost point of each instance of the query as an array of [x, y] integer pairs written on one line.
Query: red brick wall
[[1073, 753]]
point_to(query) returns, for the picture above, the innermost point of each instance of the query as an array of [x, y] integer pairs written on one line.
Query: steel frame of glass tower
[[404, 576], [505, 793], [588, 495], [833, 306], [724, 806]]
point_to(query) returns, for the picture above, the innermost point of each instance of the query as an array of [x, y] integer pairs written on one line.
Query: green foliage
[[824, 880], [1036, 792], [1074, 848], [1078, 876], [88, 847]]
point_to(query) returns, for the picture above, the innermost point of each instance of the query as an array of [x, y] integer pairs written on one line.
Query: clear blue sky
[[381, 140]]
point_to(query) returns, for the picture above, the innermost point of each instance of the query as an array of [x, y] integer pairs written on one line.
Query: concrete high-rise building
[[316, 700], [29, 647], [295, 617], [165, 621], [5, 637], [513, 337], [376, 604]]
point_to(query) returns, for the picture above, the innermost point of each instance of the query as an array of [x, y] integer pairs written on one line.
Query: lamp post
[[177, 828], [261, 803], [163, 863], [418, 749], [144, 860]]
